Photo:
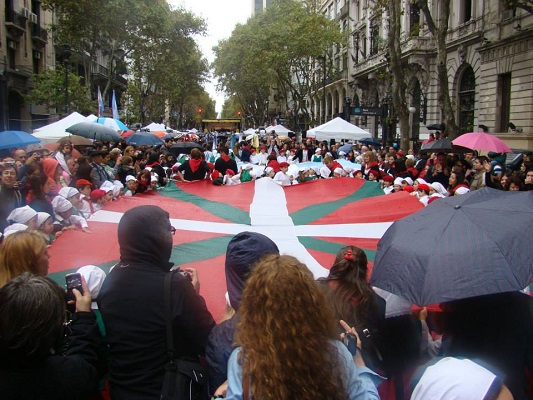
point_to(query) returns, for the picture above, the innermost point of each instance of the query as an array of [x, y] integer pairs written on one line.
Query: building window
[[466, 10], [503, 102], [374, 36], [414, 20], [467, 100]]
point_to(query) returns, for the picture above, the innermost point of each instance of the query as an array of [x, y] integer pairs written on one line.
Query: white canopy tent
[[338, 129], [53, 132], [153, 127], [279, 129]]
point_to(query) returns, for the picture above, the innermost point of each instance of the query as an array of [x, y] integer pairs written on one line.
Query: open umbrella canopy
[[458, 247], [443, 146], [184, 148], [370, 142], [435, 127], [115, 124], [482, 141], [92, 130], [144, 139], [77, 140], [12, 139]]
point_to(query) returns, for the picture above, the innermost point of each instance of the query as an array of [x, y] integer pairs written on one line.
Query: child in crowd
[[23, 215], [72, 195], [45, 227], [64, 219], [108, 187], [118, 189], [339, 173], [358, 174], [373, 175], [386, 183], [131, 186], [98, 199], [85, 207]]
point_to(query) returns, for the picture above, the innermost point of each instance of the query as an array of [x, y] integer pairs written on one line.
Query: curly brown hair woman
[[287, 337]]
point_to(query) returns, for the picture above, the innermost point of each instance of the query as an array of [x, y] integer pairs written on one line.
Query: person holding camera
[[131, 302], [10, 197], [43, 356]]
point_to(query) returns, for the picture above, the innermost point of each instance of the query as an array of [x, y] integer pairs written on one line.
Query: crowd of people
[[285, 335], [43, 179]]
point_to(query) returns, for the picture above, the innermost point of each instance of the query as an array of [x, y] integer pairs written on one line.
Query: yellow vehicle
[[228, 124]]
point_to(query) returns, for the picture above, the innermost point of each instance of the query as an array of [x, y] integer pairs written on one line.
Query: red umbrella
[[482, 141], [127, 134]]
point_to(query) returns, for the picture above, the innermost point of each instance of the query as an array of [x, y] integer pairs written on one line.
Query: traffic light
[[239, 113], [199, 111]]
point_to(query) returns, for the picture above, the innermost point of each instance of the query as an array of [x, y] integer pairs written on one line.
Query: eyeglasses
[[172, 230]]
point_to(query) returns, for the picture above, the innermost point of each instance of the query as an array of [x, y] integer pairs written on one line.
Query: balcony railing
[[39, 33], [98, 69], [15, 22]]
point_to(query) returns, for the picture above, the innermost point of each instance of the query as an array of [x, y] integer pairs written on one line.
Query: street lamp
[[66, 52], [347, 103]]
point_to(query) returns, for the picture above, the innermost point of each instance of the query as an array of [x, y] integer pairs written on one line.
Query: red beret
[[97, 194], [387, 178], [230, 172], [424, 187], [401, 153], [215, 174], [283, 164], [83, 182], [408, 189], [374, 172]]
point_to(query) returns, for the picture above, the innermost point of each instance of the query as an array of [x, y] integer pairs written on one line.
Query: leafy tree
[[49, 90], [277, 48]]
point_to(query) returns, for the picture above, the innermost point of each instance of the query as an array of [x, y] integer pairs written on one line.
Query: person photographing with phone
[[43, 355]]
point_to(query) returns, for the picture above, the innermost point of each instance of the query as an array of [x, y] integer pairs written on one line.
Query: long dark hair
[[347, 289]]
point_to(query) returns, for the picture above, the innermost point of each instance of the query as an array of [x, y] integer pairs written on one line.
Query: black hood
[[144, 237], [244, 250]]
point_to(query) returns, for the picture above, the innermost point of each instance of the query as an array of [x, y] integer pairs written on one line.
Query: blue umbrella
[[346, 147], [144, 139], [113, 123], [370, 141], [12, 139]]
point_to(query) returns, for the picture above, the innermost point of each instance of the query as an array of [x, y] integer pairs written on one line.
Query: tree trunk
[[399, 86], [439, 33]]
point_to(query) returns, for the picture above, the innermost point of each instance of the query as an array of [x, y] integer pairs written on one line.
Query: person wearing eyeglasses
[[10, 196], [131, 302]]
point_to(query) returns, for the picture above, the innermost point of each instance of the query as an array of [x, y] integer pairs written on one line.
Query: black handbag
[[185, 378]]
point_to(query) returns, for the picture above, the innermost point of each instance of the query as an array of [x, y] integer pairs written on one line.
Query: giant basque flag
[[311, 221]]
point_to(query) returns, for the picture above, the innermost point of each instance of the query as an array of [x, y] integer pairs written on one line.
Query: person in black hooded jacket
[[244, 250], [132, 306]]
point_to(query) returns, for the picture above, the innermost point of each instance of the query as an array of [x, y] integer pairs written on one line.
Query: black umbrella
[[184, 148], [435, 127], [443, 146], [459, 247], [92, 130], [370, 141], [144, 139]]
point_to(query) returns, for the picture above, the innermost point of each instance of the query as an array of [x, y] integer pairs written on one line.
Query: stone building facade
[[27, 47], [490, 69]]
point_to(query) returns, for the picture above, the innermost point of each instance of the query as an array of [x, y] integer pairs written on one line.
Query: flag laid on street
[[311, 221]]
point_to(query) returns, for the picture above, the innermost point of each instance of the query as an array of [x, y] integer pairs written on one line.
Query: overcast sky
[[221, 17]]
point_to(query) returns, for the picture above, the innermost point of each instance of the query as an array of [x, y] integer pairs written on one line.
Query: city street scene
[[266, 199]]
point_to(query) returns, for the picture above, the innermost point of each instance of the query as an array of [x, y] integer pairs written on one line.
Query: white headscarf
[[452, 378], [60, 204], [21, 215]]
